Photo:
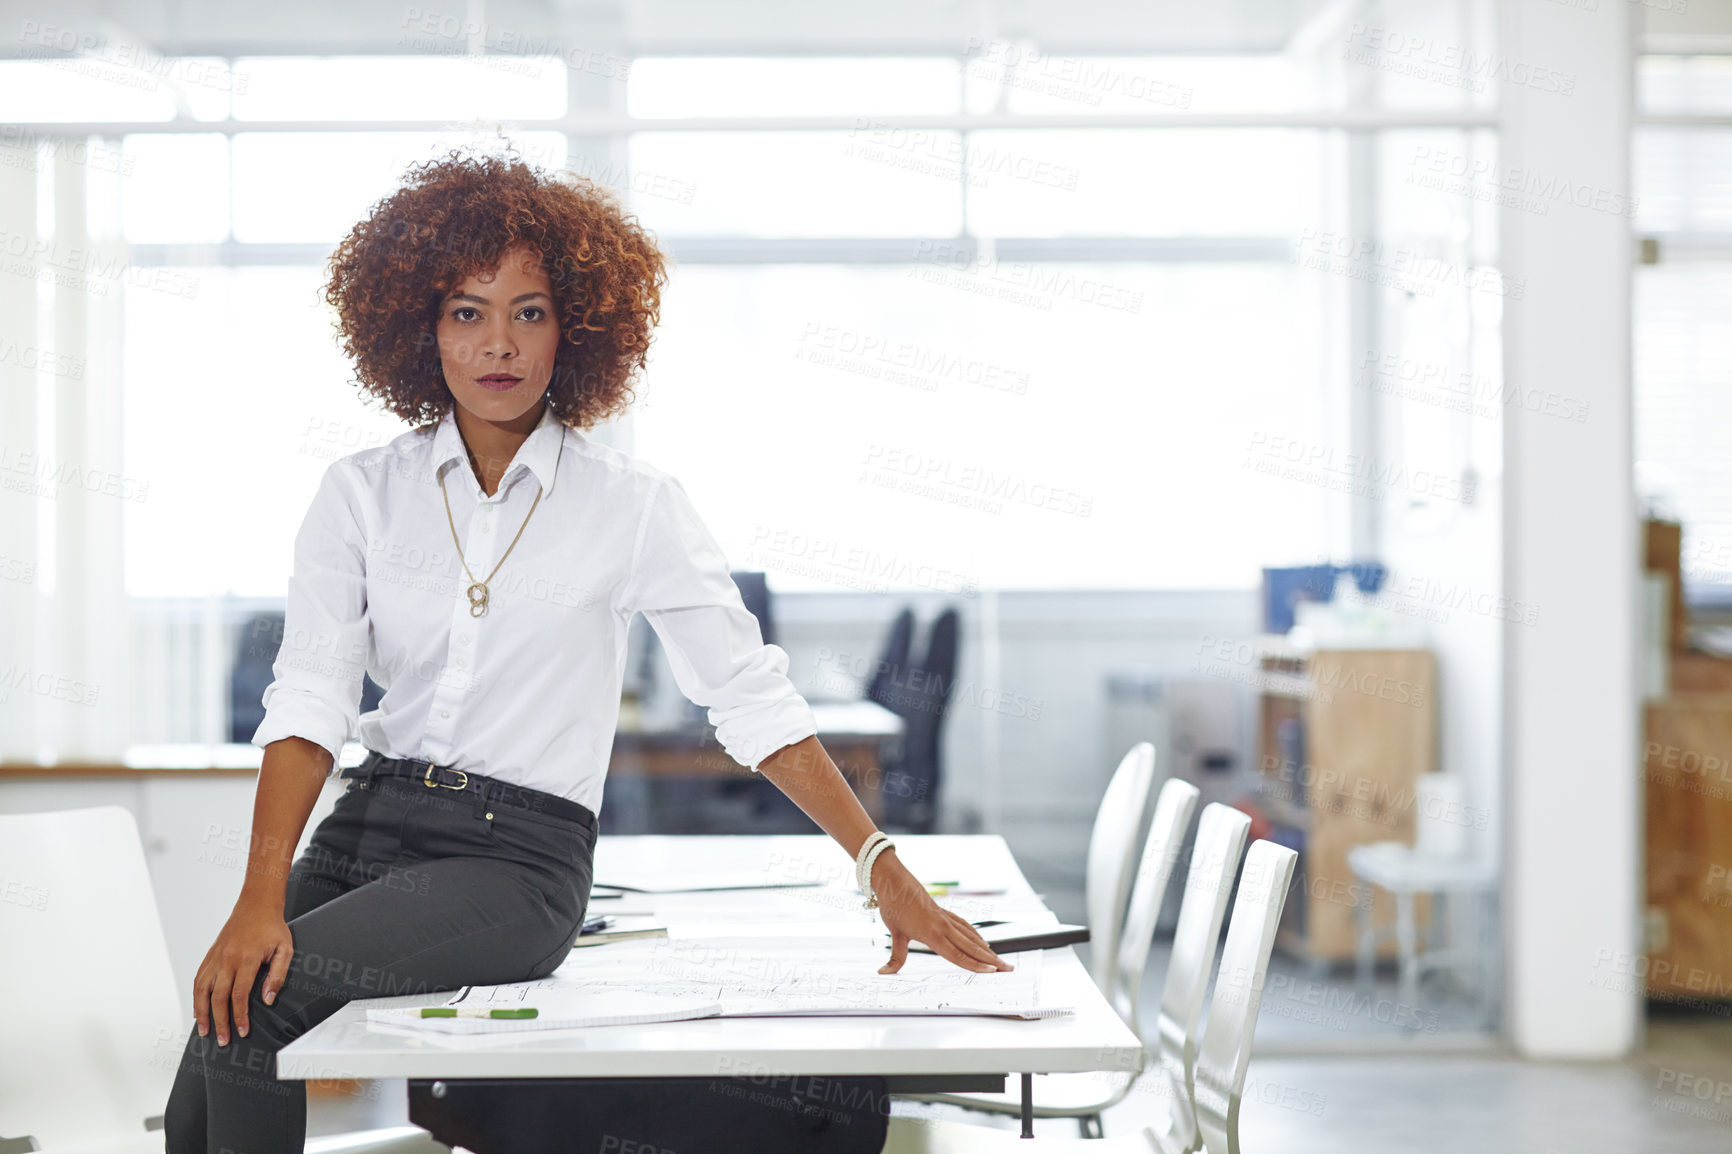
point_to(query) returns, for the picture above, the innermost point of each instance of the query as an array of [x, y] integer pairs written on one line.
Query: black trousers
[[402, 889]]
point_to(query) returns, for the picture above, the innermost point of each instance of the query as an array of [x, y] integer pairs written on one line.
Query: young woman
[[483, 567]]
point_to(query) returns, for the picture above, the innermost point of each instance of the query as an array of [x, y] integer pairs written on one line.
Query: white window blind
[[1682, 324]]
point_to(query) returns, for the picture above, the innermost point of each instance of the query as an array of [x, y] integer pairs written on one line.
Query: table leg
[[1366, 959], [1407, 936], [1028, 1105]]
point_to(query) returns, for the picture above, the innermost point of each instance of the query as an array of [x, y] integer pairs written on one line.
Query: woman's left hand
[[910, 914]]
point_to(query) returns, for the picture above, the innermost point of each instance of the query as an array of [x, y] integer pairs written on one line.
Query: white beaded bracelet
[[866, 847], [866, 871]]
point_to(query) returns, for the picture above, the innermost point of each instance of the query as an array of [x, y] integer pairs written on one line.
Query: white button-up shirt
[[529, 692]]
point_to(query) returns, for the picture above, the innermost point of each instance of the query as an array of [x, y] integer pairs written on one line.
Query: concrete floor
[[1487, 1105], [1675, 1098]]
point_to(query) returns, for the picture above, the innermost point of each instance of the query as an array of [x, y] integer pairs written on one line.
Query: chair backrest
[[1221, 833], [1226, 1048], [892, 668], [923, 737], [754, 587], [251, 673], [252, 670], [92, 1012], [940, 659], [1174, 806], [1112, 845]]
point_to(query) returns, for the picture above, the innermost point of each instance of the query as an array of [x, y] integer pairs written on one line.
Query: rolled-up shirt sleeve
[[719, 657], [318, 669]]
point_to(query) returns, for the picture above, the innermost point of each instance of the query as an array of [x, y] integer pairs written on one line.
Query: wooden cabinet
[[1687, 804], [1687, 775], [1367, 726]]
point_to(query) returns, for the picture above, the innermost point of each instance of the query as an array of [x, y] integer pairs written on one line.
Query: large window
[[1682, 334], [1025, 318], [1015, 424]]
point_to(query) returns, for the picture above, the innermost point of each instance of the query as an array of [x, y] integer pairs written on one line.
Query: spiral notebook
[[556, 1010]]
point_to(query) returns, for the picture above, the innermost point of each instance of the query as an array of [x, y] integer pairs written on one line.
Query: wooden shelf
[[1687, 782], [1369, 722]]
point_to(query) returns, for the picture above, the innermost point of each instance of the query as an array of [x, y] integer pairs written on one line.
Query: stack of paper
[[674, 979], [558, 1007], [792, 977], [664, 881]]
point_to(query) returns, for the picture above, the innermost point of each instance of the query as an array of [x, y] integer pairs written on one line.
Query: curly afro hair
[[456, 216]]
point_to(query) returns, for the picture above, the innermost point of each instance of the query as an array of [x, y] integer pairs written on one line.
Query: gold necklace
[[478, 589]]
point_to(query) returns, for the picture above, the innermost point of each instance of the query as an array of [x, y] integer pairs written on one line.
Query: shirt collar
[[539, 452]]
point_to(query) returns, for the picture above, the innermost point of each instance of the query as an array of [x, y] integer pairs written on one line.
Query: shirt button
[[463, 640], [463, 663], [444, 713]]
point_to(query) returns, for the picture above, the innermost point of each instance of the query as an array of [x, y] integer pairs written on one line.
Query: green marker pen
[[466, 1012]]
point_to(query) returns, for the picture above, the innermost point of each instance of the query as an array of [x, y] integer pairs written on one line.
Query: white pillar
[[89, 721], [20, 508], [1571, 542]]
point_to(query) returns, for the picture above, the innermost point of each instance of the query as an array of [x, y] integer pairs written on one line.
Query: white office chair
[[1226, 1045], [1112, 847], [1084, 1096], [1226, 1048], [1221, 833], [1439, 863], [92, 1012]]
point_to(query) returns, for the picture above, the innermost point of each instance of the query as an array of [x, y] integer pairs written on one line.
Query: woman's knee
[[183, 1117]]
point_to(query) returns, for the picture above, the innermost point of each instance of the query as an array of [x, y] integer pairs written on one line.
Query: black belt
[[486, 790]]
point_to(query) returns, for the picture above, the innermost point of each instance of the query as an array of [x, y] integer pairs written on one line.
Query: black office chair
[[754, 587], [912, 776], [743, 804], [892, 669], [261, 638]]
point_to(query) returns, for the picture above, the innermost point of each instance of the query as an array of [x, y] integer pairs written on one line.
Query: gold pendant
[[477, 599]]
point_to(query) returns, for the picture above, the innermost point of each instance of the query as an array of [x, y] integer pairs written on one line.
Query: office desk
[[913, 1053], [854, 733]]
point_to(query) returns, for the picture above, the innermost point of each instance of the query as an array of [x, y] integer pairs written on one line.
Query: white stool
[[1437, 864]]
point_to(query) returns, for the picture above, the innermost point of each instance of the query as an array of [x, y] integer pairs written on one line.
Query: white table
[[1093, 1038]]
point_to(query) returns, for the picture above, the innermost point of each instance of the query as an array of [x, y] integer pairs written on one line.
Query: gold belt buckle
[[431, 784]]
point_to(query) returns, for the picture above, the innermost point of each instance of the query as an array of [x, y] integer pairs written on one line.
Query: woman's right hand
[[254, 935]]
